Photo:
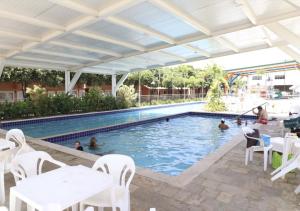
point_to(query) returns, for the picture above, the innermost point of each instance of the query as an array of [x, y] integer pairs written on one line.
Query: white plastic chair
[[6, 156], [258, 148], [122, 169], [30, 164]]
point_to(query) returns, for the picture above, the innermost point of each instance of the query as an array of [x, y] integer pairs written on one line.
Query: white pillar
[[114, 85], [121, 81], [74, 81], [67, 81], [1, 67]]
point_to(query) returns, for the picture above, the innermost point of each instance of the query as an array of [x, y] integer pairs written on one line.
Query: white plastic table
[[5, 144], [59, 189]]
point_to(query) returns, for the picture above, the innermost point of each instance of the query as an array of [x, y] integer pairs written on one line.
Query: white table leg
[[75, 207], [30, 208], [12, 201], [2, 186]]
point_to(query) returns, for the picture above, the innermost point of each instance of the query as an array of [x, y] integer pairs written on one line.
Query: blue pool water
[[53, 128], [166, 147]]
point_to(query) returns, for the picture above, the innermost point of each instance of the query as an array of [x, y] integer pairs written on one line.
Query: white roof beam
[[267, 37], [100, 71], [109, 40], [72, 56], [290, 52], [183, 15], [76, 6], [30, 20], [226, 43], [197, 50], [45, 60], [180, 58], [284, 33], [292, 4], [18, 35], [8, 47], [32, 64], [84, 48], [141, 29], [106, 66], [248, 11]]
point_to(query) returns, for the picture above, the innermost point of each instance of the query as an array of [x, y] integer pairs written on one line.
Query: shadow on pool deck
[[226, 185]]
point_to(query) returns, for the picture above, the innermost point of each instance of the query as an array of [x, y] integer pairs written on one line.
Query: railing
[[149, 98], [251, 110]]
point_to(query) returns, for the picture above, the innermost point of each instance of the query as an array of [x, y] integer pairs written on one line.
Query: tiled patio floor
[[226, 185]]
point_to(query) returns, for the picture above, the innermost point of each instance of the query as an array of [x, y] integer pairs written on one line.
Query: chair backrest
[[252, 136], [17, 135], [120, 167], [30, 164]]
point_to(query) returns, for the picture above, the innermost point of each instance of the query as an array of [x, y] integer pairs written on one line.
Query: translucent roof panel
[[59, 15], [270, 8], [292, 24], [218, 15], [122, 33], [247, 38], [157, 19], [210, 45], [141, 34], [59, 49], [76, 39]]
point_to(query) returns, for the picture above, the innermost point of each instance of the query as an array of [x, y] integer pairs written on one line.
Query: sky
[[254, 58]]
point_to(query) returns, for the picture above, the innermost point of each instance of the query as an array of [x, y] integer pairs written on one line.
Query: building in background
[[269, 79]]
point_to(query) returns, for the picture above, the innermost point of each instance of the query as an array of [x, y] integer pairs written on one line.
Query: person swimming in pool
[[222, 125], [78, 146], [93, 143]]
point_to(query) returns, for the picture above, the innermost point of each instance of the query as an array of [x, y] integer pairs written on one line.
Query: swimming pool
[[38, 129], [165, 147]]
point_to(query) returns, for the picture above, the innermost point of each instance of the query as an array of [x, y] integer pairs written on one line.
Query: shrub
[[127, 94], [39, 104]]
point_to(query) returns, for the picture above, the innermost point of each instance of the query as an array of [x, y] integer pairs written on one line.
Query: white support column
[[74, 81], [121, 81], [67, 81], [1, 67], [114, 85]]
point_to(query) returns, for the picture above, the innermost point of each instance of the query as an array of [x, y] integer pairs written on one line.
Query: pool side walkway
[[226, 185]]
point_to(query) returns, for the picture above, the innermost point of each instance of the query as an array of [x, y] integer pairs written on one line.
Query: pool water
[[53, 128], [165, 147]]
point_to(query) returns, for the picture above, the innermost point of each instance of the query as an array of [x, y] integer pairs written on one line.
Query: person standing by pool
[[262, 115], [222, 125], [78, 146]]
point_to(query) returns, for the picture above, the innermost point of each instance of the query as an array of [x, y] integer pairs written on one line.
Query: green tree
[[127, 94], [23, 76]]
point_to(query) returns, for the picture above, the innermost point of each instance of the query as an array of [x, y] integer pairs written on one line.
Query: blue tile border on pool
[[8, 124], [65, 137]]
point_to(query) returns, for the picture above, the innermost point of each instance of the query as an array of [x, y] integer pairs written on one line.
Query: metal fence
[[149, 98]]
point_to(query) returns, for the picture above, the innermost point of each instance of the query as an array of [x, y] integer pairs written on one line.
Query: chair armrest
[[59, 163]]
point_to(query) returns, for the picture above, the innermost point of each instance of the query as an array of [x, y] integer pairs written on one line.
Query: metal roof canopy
[[121, 36]]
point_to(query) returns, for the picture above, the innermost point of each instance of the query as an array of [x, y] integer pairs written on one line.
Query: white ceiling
[[118, 36]]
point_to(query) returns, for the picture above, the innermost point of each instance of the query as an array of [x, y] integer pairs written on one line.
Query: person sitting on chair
[[262, 115], [222, 125]]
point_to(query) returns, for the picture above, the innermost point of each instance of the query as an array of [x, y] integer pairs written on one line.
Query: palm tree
[[218, 80]]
